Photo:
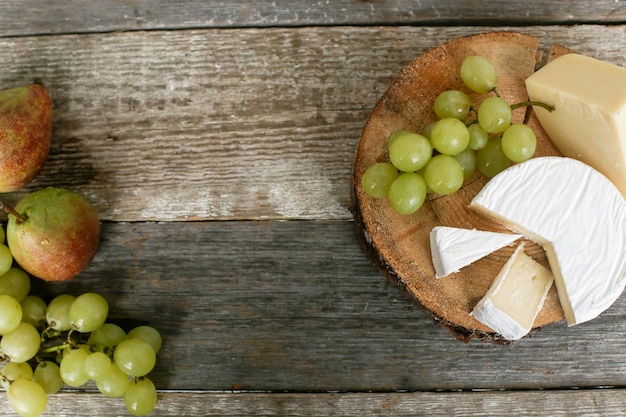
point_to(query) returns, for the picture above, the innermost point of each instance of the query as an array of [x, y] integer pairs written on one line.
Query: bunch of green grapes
[[452, 148], [44, 346]]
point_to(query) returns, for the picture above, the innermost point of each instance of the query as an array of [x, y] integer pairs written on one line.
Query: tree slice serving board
[[399, 244]]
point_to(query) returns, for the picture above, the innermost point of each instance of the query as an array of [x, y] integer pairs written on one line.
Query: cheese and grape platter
[[489, 185]]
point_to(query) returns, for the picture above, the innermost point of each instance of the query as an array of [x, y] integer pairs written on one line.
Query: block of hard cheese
[[589, 120], [515, 297]]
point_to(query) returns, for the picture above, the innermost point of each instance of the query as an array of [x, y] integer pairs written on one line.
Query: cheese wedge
[[577, 215], [589, 120], [516, 296], [453, 248]]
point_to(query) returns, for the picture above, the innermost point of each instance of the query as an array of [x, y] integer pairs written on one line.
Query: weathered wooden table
[[216, 140]]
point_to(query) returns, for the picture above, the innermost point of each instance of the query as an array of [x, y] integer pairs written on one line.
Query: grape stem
[[10, 210], [532, 103]]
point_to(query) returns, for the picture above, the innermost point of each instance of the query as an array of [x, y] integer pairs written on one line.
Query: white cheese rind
[[516, 296], [577, 215], [589, 120], [453, 248]]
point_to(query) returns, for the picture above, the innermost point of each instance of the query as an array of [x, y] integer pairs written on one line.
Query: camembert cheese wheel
[[577, 215]]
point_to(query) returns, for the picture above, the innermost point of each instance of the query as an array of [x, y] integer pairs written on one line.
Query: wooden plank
[[575, 403], [223, 124], [35, 17], [296, 306]]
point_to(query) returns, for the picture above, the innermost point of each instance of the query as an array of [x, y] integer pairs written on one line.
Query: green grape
[[72, 367], [494, 115], [428, 129], [148, 334], [478, 136], [407, 193], [377, 179], [88, 312], [107, 335], [34, 310], [452, 103], [21, 344], [519, 142], [410, 151], [2, 235], [10, 314], [96, 365], [134, 357], [27, 398], [114, 383], [395, 134], [14, 370], [491, 159], [140, 397], [48, 375], [450, 136], [6, 258], [15, 282], [444, 174], [467, 160], [479, 74], [57, 314]]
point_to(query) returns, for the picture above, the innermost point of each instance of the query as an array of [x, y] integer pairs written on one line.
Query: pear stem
[[11, 211]]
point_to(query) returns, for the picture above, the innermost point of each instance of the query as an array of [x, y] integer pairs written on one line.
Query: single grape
[[519, 142], [34, 310], [148, 334], [140, 397], [96, 365], [444, 174], [410, 151], [15, 282], [114, 383], [479, 74], [394, 135], [10, 314], [452, 103], [21, 344], [48, 375], [494, 115], [377, 179], [72, 367], [491, 159], [2, 235], [407, 193], [467, 160], [6, 258], [428, 129], [134, 357], [57, 314], [478, 136], [107, 335], [27, 398], [88, 312], [450, 136], [14, 370]]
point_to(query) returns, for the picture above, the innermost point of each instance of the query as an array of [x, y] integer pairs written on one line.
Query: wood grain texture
[[296, 306], [35, 17], [219, 124], [572, 403]]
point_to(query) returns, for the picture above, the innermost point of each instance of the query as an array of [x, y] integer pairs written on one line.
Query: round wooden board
[[399, 244]]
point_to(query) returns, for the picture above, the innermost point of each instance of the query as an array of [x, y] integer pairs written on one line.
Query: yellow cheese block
[[589, 120]]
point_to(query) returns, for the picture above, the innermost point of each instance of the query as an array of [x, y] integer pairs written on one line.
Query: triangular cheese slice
[[452, 248]]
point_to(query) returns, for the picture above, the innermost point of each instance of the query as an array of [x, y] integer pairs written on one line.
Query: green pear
[[25, 134], [53, 233]]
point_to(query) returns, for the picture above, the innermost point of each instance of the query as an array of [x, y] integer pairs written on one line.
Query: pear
[[25, 134], [53, 233]]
